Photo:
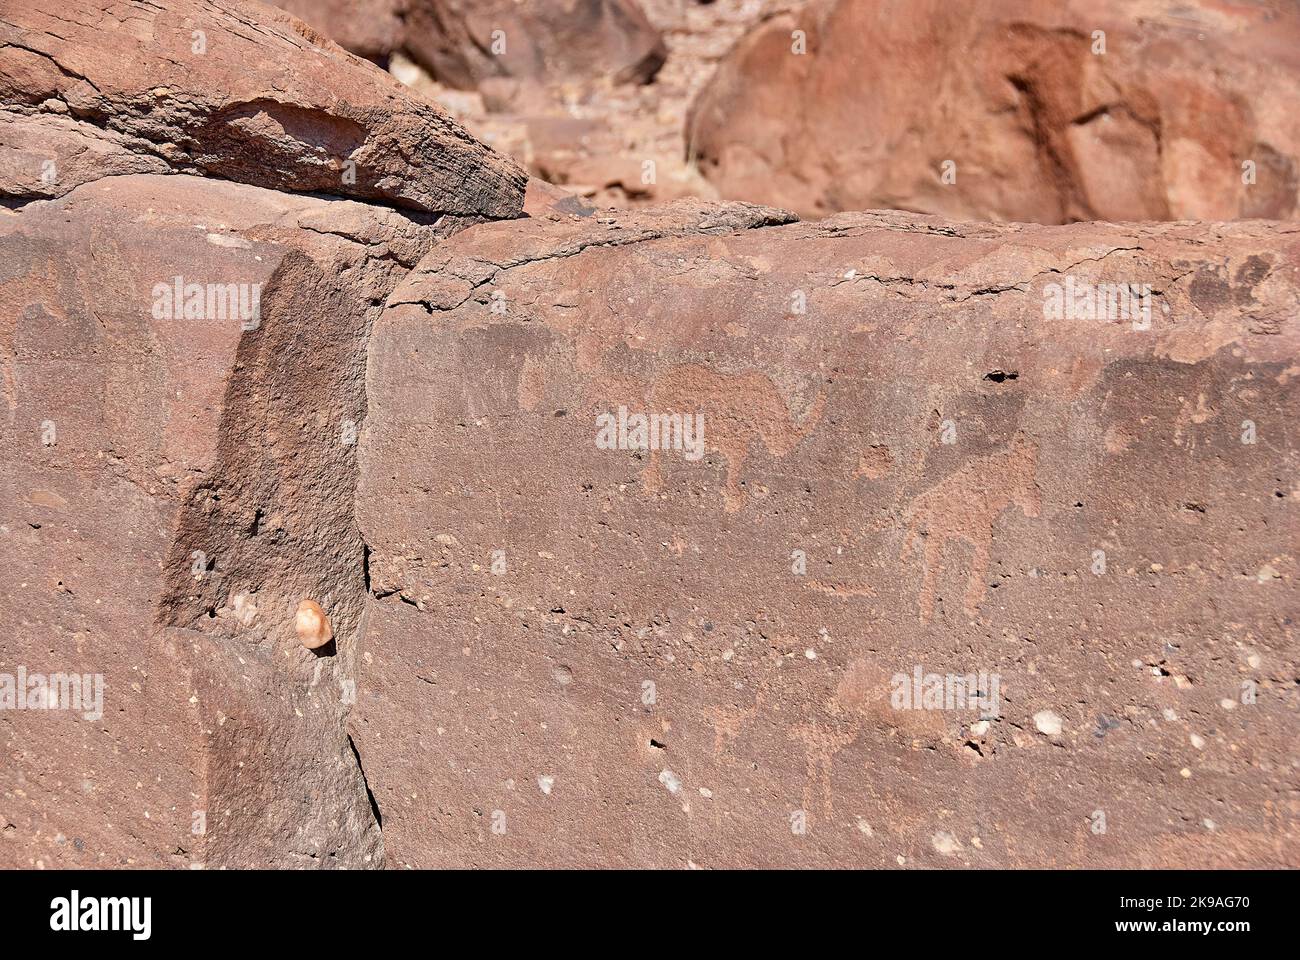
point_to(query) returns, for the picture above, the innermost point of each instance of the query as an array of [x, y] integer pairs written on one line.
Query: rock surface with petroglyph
[[1030, 110], [231, 89], [382, 573], [586, 656]]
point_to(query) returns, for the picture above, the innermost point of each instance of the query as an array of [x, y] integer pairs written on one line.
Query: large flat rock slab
[[1057, 461]]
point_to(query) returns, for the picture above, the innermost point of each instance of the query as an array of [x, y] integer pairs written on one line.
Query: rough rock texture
[[587, 656], [229, 394], [182, 373], [173, 489], [227, 89], [575, 124], [1037, 123], [464, 42], [547, 40], [373, 29]]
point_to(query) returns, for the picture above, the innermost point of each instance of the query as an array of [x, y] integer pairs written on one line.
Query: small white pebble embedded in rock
[[1047, 723], [245, 609], [945, 843]]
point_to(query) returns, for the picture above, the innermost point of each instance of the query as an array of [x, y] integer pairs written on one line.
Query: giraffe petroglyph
[[964, 507], [821, 743]]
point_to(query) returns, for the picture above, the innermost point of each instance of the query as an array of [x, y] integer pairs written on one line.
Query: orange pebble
[[312, 625]]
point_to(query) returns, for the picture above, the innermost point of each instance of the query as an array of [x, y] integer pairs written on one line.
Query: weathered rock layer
[[699, 536], [911, 460], [229, 89], [1031, 110], [179, 479], [463, 42], [182, 363]]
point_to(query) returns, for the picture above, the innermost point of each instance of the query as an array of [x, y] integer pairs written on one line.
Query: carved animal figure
[[738, 409], [964, 507]]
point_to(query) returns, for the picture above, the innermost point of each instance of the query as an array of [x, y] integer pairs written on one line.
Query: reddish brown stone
[[373, 29], [175, 487], [548, 40], [465, 42], [1035, 124], [589, 657], [238, 91], [362, 600]]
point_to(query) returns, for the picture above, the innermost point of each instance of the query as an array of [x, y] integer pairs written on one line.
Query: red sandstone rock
[[181, 366], [1013, 104], [373, 29], [464, 42], [231, 89], [175, 484], [915, 448], [641, 658], [543, 199], [613, 143]]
